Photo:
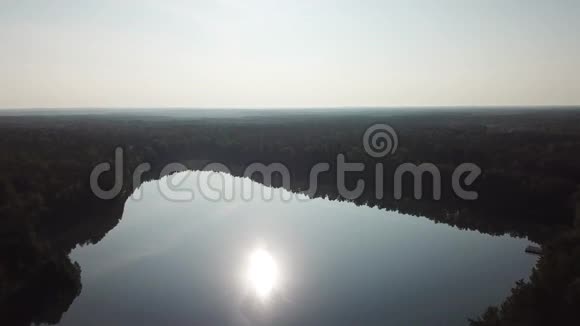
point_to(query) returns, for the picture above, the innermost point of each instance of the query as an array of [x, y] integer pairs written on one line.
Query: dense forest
[[528, 188]]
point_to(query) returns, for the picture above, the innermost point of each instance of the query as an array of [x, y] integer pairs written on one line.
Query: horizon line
[[457, 106]]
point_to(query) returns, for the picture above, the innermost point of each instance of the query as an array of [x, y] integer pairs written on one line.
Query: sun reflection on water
[[263, 274]]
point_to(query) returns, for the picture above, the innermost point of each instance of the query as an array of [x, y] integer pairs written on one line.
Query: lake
[[248, 260]]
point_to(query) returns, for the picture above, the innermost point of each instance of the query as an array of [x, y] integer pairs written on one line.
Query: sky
[[295, 53]]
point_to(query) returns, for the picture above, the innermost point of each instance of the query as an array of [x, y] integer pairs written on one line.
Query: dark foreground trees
[[551, 297]]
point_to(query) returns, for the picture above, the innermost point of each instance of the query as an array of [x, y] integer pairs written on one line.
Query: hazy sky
[[295, 53]]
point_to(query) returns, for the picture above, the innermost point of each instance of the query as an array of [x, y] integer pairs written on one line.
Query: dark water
[[278, 262]]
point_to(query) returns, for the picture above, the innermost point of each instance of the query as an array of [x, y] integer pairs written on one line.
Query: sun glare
[[263, 273]]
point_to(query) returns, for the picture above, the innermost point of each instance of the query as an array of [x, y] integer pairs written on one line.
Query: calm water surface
[[297, 262]]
